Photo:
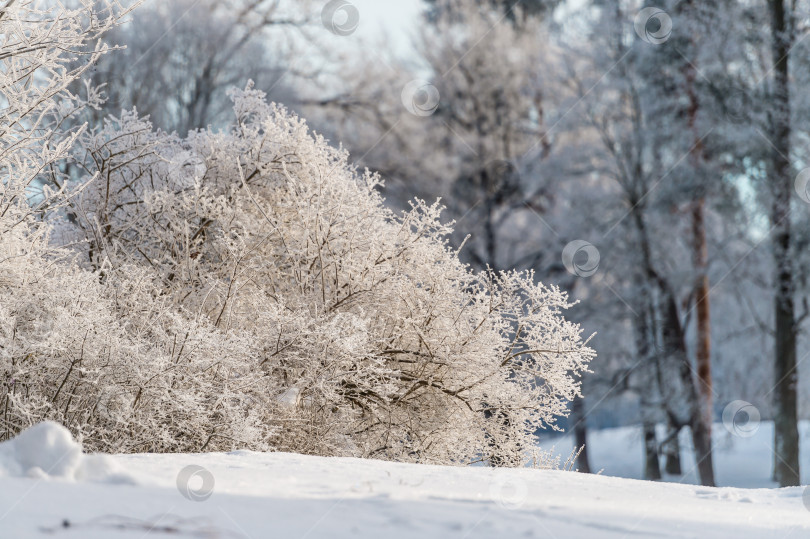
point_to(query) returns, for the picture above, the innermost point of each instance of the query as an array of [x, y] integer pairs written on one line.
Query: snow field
[[261, 495]]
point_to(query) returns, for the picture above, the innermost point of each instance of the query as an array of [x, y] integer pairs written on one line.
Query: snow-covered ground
[[257, 496], [739, 461]]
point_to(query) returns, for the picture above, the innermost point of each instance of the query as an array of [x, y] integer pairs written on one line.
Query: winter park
[[404, 268]]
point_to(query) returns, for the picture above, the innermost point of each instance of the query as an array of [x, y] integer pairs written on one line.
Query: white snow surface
[[739, 461], [266, 495]]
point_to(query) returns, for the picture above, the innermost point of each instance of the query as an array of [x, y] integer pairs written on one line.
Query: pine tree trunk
[[786, 435], [702, 417], [703, 421]]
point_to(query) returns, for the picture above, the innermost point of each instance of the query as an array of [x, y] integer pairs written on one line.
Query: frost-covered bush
[[122, 367], [102, 352], [377, 340], [245, 288]]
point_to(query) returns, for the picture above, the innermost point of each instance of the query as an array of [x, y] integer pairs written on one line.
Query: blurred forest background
[[650, 158]]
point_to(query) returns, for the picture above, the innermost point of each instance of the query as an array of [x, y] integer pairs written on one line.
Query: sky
[[391, 20]]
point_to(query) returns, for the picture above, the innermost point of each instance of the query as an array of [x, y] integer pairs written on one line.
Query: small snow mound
[[48, 450], [47, 446]]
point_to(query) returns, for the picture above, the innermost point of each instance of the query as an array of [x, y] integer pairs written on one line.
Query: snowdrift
[[257, 495], [47, 450]]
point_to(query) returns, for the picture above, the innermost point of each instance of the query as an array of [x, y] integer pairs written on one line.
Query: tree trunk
[[580, 434], [644, 347], [702, 419], [652, 470], [672, 450], [677, 385], [675, 347], [786, 435], [489, 234]]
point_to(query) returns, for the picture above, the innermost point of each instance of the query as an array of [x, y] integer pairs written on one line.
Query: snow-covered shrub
[[245, 288], [377, 340], [99, 351], [104, 353]]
